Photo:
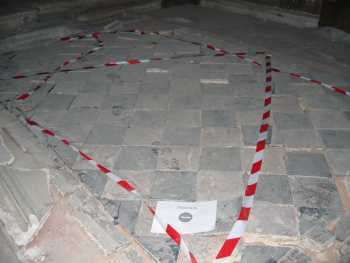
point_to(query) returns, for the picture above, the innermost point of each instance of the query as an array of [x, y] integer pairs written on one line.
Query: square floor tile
[[137, 158], [224, 159], [218, 118], [307, 164], [181, 136], [221, 137], [106, 134], [287, 121], [174, 186], [178, 158], [219, 185]]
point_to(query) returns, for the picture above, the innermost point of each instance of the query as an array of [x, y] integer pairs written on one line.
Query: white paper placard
[[186, 217]]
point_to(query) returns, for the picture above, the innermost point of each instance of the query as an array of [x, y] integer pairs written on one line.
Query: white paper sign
[[186, 217]]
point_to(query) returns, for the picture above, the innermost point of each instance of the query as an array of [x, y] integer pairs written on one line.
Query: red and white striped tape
[[239, 226], [170, 230]]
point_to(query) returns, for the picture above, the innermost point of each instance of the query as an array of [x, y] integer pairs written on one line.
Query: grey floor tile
[[263, 254], [287, 121], [272, 219], [137, 158], [224, 159], [221, 137], [184, 118], [178, 158], [106, 134], [307, 164], [94, 180], [219, 185], [145, 136], [337, 139], [174, 186], [274, 189], [148, 118], [315, 192], [338, 160], [124, 101], [152, 102], [181, 136], [124, 212], [218, 118]]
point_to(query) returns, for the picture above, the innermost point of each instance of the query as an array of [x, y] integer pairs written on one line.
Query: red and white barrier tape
[[239, 226], [171, 231]]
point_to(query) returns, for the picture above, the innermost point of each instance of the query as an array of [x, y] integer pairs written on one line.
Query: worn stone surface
[[315, 192], [295, 256], [263, 254], [221, 137], [307, 164], [162, 248], [338, 139], [320, 237], [271, 219], [137, 158], [287, 121], [311, 216], [274, 189], [219, 185], [213, 158], [342, 230], [178, 158], [174, 186], [218, 118], [339, 161]]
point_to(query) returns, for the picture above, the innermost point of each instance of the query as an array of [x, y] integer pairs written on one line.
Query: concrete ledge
[[294, 18]]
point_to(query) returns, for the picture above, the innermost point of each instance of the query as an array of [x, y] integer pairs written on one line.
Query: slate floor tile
[[274, 189], [307, 164], [219, 185], [174, 186], [181, 136], [272, 219], [263, 254], [145, 136], [106, 134], [224, 159], [184, 118], [311, 216], [336, 139], [124, 101], [124, 212], [152, 102], [162, 248], [297, 138], [178, 158], [217, 118], [88, 101], [94, 180], [315, 192], [137, 158], [338, 160], [148, 118], [287, 121], [221, 137]]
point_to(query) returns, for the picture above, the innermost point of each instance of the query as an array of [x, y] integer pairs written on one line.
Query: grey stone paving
[[175, 135]]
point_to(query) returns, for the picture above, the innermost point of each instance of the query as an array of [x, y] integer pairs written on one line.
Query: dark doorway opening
[[335, 13], [169, 3]]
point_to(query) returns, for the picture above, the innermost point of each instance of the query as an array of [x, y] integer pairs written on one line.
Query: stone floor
[[185, 130]]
